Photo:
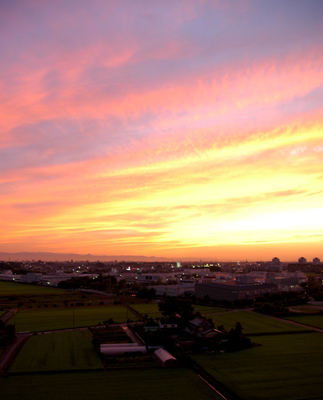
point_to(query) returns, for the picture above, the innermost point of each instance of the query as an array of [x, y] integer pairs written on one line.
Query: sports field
[[141, 384], [253, 323], [281, 367], [52, 319], [310, 320], [57, 352], [7, 288]]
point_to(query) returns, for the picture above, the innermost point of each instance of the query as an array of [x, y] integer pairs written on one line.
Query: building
[[7, 275], [117, 349], [233, 290], [202, 328], [287, 281], [198, 325], [165, 359], [31, 277], [161, 276], [174, 290], [167, 324]]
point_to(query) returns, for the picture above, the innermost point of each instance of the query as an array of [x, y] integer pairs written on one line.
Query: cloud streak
[[158, 127]]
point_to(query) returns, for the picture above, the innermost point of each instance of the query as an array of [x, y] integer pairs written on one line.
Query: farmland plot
[[253, 323], [143, 384], [280, 367], [52, 319], [63, 351], [19, 288], [310, 320]]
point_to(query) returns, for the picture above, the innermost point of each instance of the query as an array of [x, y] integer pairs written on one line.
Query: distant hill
[[46, 256]]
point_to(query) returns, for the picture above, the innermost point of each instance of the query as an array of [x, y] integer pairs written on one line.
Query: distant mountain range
[[46, 256]]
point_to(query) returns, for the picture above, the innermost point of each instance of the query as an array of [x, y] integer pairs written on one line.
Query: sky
[[162, 128]]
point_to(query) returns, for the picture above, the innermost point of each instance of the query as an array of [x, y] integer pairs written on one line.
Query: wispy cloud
[[160, 126]]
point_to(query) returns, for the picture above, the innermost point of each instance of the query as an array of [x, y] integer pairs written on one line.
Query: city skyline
[[182, 130]]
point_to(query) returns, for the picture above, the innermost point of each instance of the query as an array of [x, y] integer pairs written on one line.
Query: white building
[[31, 277], [174, 290], [162, 276], [166, 359]]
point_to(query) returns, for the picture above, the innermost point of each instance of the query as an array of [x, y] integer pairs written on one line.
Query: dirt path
[[8, 315], [6, 355], [133, 337]]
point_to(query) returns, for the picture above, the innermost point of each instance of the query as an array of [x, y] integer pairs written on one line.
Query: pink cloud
[[106, 110]]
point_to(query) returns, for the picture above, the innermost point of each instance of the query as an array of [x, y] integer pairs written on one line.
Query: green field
[[207, 309], [51, 319], [131, 384], [53, 299], [253, 323], [311, 320], [307, 308], [19, 288], [281, 367], [153, 312], [57, 352]]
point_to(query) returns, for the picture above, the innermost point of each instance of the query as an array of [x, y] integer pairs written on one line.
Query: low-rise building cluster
[[220, 281]]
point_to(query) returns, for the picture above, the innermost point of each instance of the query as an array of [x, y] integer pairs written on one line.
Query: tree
[[236, 332], [10, 331], [94, 285], [311, 287], [186, 308], [171, 306], [145, 293], [122, 284], [135, 287]]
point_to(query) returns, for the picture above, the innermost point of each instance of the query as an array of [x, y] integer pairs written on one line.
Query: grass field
[[56, 300], [208, 310], [51, 319], [153, 312], [282, 367], [253, 323], [307, 308], [133, 384], [57, 352], [19, 288], [311, 320]]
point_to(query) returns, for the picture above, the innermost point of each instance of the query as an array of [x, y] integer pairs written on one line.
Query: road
[[8, 315], [10, 350]]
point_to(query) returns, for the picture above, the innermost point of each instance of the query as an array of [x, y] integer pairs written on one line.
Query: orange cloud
[[159, 137]]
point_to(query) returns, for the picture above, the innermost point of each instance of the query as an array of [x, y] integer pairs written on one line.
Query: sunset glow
[[174, 129]]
